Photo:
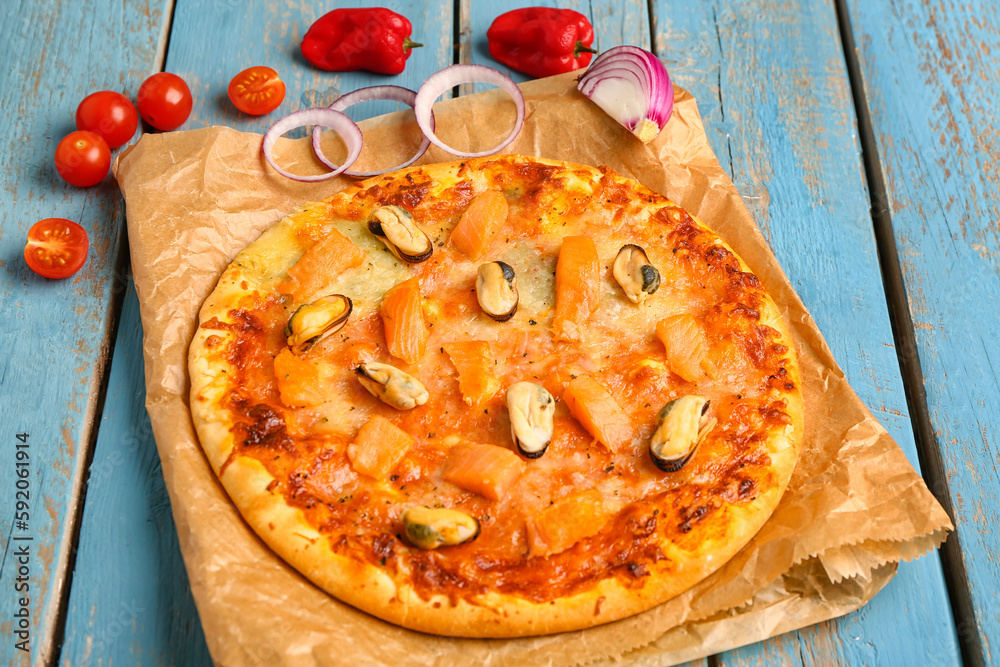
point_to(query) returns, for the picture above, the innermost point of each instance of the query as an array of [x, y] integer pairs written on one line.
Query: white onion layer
[[422, 102], [449, 77], [393, 93], [335, 120], [632, 86]]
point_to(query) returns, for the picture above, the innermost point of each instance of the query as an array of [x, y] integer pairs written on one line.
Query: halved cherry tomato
[[164, 101], [257, 90], [83, 158], [108, 114], [56, 247]]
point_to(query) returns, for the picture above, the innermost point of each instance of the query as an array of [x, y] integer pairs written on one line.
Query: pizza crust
[[372, 588]]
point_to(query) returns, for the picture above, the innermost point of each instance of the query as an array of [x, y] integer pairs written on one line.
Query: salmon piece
[[299, 382], [687, 347], [403, 320], [578, 286], [484, 469], [561, 525], [596, 410], [474, 361], [379, 447], [331, 256], [480, 224], [328, 482]]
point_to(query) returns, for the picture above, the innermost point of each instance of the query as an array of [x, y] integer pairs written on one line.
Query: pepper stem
[[407, 44], [580, 48]]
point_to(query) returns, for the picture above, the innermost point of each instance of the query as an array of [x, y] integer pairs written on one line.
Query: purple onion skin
[[623, 62]]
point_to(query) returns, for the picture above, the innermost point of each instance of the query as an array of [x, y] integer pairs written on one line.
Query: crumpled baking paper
[[854, 508]]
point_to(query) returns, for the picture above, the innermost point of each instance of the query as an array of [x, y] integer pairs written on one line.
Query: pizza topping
[[397, 229], [635, 274], [394, 387], [428, 528], [565, 522], [687, 347], [484, 469], [403, 321], [496, 290], [379, 447], [474, 360], [314, 321], [329, 255], [598, 412], [578, 286], [299, 381], [481, 221], [682, 425], [531, 409]]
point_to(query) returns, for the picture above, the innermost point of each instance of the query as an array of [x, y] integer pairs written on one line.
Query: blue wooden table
[[862, 136]]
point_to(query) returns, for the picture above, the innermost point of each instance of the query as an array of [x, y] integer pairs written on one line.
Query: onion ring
[[335, 120], [393, 93], [446, 79]]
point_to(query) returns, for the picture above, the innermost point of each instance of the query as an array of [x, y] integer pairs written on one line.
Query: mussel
[[312, 322], [681, 426], [496, 290], [392, 386], [395, 226], [430, 528], [633, 271], [531, 408]]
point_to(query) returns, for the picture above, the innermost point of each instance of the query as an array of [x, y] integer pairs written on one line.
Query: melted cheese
[[618, 347]]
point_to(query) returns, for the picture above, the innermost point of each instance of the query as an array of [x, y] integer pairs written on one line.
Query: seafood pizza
[[499, 397]]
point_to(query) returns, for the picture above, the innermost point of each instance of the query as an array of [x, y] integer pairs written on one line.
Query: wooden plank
[[56, 333], [773, 90], [130, 602], [930, 71]]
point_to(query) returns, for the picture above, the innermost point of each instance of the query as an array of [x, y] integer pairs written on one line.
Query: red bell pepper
[[376, 39], [542, 41]]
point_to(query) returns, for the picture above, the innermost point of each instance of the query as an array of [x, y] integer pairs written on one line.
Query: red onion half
[[393, 93], [335, 120], [449, 77], [633, 87]]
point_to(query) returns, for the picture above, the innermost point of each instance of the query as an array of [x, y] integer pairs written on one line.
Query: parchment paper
[[854, 508]]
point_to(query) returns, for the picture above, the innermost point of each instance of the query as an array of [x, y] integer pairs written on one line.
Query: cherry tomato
[[56, 247], [108, 114], [164, 101], [257, 90], [83, 158]]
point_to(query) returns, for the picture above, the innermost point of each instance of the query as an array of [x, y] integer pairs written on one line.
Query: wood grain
[[55, 334], [130, 600], [930, 74], [779, 116], [772, 87]]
